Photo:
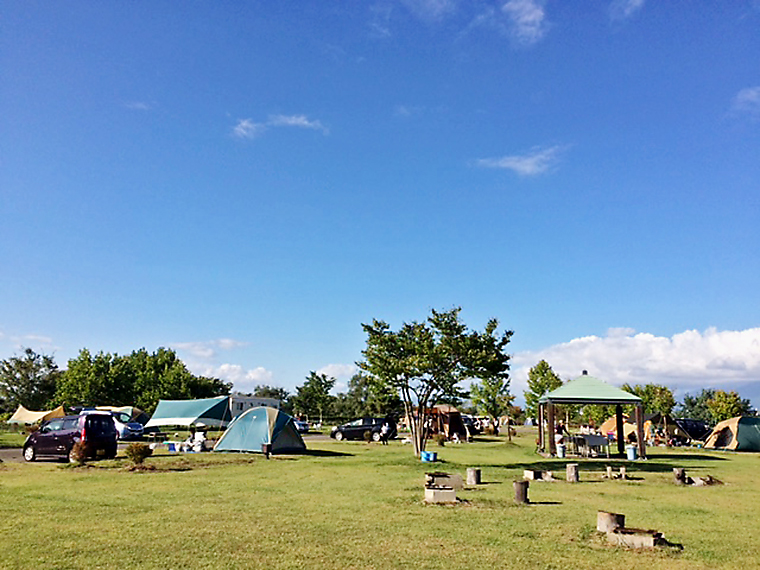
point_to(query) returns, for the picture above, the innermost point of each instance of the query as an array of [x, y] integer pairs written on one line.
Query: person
[[385, 432], [560, 433], [199, 441], [187, 445]]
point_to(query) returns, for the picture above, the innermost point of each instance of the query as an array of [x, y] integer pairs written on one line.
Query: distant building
[[240, 403]]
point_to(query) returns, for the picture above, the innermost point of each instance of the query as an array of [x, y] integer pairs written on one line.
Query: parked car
[[357, 428], [127, 428], [57, 437], [301, 426]]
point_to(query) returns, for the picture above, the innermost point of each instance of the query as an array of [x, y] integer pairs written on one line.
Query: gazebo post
[[541, 439], [550, 429], [619, 429], [640, 430]]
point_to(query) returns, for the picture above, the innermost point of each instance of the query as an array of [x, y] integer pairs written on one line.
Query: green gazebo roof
[[588, 390]]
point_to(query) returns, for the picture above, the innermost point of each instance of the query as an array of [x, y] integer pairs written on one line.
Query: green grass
[[12, 438], [358, 505]]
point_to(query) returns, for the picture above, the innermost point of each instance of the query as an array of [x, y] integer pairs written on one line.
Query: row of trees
[[140, 379], [709, 405]]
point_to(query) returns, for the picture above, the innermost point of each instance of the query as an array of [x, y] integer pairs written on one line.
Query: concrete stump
[[440, 495], [440, 479], [473, 476], [572, 473], [607, 522], [521, 492], [609, 472]]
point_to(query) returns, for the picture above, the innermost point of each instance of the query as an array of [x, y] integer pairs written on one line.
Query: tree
[[541, 380], [314, 396], [281, 394], [724, 405], [492, 398], [695, 407], [365, 397], [139, 379], [29, 380], [426, 361], [654, 398]]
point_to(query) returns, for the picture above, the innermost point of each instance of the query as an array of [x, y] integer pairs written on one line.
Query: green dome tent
[[258, 426], [739, 434]]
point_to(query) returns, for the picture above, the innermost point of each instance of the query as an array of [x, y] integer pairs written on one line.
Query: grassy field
[[357, 505]]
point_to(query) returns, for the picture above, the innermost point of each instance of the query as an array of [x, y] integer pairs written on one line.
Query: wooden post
[[605, 522], [521, 492], [541, 438], [572, 472], [640, 431], [619, 429], [551, 430], [623, 474], [609, 472], [473, 476]]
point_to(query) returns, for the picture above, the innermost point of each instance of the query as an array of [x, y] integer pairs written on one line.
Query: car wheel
[[29, 453], [375, 436], [338, 436]]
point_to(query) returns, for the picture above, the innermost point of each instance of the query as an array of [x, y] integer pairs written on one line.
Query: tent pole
[[619, 429], [640, 430]]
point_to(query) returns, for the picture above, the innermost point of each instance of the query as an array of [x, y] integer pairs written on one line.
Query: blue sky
[[248, 182]]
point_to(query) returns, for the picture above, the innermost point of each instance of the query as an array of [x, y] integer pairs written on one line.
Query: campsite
[[359, 505]]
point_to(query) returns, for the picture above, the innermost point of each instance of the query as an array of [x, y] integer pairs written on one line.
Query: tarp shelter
[[135, 414], [739, 434], [446, 419], [586, 390], [260, 426], [24, 416], [208, 412]]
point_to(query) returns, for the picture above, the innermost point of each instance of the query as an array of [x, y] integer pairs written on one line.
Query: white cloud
[[207, 349], [242, 380], [533, 163], [527, 18], [339, 371], [688, 361], [747, 101], [247, 129], [624, 9], [300, 121]]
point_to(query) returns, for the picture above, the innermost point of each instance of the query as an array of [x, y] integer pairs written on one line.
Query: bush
[[78, 453], [138, 452], [440, 439]]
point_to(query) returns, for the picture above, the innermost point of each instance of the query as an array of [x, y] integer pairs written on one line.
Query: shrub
[[78, 453], [138, 452], [440, 439]]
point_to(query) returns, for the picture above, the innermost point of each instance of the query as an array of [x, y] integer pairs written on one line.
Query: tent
[[259, 426], [135, 413], [24, 416], [208, 412], [652, 422], [739, 434]]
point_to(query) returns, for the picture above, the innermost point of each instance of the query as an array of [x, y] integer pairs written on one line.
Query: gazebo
[[586, 390]]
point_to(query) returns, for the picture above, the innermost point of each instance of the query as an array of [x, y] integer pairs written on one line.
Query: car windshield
[[123, 417]]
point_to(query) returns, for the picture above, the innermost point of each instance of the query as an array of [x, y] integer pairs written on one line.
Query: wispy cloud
[[342, 374], [243, 380], [747, 102], [528, 20], [248, 129], [537, 161], [207, 349], [690, 360], [431, 10], [624, 9], [300, 121], [138, 105]]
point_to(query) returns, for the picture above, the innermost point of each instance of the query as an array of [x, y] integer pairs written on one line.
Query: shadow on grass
[[322, 453]]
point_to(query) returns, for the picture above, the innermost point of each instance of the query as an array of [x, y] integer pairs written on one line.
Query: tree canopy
[[313, 397], [427, 361], [541, 380], [29, 380], [654, 398]]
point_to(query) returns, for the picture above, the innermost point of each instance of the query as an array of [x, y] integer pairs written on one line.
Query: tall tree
[[29, 380], [541, 380], [695, 407], [366, 397], [724, 405], [426, 361], [492, 398], [314, 396], [654, 398]]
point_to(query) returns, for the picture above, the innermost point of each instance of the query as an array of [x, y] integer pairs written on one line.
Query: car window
[[70, 424], [355, 423], [123, 417], [100, 423], [55, 425]]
